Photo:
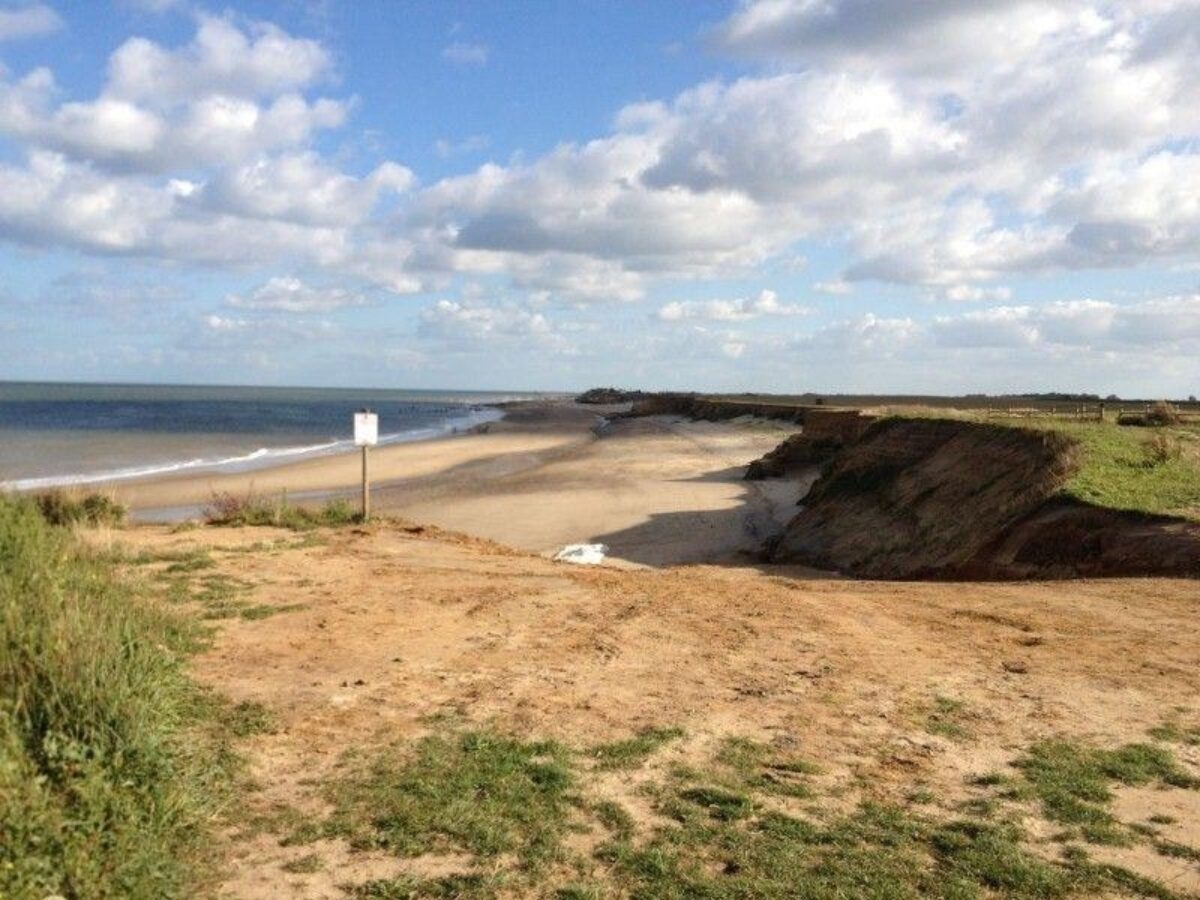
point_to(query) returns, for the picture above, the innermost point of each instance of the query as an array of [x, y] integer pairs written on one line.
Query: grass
[[742, 762], [253, 510], [733, 842], [1074, 783], [719, 832], [304, 865], [1117, 470], [946, 718], [1174, 732], [112, 763], [632, 752], [474, 792], [214, 595]]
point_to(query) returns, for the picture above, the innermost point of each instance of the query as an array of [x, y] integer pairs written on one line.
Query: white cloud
[[837, 287], [288, 294], [34, 20], [947, 144], [970, 292], [765, 304], [461, 324], [220, 324], [733, 349], [222, 59], [466, 54], [936, 38], [301, 187], [199, 154], [864, 334], [1085, 324]]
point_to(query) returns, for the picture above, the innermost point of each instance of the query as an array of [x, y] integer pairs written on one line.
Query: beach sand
[[656, 490]]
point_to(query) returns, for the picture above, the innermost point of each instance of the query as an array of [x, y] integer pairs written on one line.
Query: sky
[[877, 196]]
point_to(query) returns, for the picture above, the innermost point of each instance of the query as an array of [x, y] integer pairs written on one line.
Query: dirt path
[[397, 629]]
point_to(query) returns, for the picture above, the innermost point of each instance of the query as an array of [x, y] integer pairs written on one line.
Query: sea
[[57, 434]]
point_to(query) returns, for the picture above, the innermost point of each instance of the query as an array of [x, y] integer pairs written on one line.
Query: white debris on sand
[[582, 554]]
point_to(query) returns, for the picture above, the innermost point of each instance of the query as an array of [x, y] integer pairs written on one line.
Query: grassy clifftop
[[1153, 470]]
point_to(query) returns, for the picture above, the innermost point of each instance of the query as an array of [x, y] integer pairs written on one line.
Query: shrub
[[1159, 449], [1163, 413], [63, 508], [253, 510], [105, 787]]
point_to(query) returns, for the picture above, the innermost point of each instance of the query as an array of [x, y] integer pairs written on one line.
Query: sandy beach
[[656, 490]]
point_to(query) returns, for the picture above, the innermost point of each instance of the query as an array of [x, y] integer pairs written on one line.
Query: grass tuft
[[253, 510], [946, 718], [632, 752]]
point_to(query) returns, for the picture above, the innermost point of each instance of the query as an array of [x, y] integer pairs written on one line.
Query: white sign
[[366, 429]]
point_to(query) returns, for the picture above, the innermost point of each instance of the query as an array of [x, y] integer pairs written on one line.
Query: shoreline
[[325, 475], [655, 491], [257, 460]]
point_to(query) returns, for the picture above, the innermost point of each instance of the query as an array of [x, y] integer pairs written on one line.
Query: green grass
[[1174, 732], [732, 843], [1074, 783], [1117, 471], [632, 752], [475, 792], [111, 762], [720, 831], [946, 718], [741, 762], [252, 510], [614, 818], [304, 865]]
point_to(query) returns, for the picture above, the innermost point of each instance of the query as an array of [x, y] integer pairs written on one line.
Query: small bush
[[1163, 413], [253, 510], [64, 508], [1159, 449]]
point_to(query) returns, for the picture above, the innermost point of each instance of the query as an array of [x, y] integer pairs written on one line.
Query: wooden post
[[366, 486]]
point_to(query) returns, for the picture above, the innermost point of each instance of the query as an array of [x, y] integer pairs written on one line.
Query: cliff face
[[946, 499]]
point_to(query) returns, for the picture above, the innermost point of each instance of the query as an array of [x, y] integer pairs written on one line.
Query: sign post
[[366, 435]]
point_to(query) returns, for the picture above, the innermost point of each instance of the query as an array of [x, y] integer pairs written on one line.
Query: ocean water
[[64, 434]]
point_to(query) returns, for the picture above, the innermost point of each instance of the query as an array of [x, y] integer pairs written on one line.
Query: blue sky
[[768, 195]]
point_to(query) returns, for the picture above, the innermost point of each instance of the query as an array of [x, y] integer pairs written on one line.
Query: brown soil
[[399, 624]]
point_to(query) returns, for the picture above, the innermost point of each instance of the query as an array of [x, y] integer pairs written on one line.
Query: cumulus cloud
[[946, 144], [837, 287], [200, 153], [34, 20], [459, 324], [222, 59], [289, 294], [868, 333], [765, 304], [1093, 324], [303, 188], [916, 37]]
